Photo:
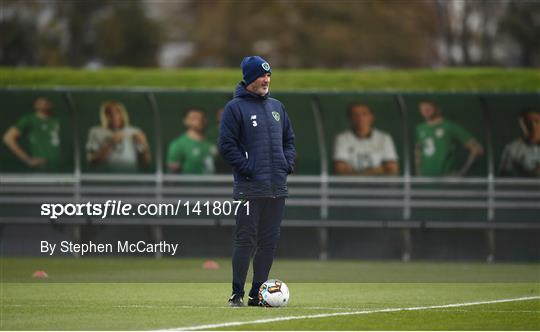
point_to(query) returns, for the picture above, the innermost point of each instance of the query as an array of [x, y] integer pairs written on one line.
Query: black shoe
[[236, 301], [253, 302]]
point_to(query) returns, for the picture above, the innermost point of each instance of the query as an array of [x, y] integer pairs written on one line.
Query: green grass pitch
[[143, 293]]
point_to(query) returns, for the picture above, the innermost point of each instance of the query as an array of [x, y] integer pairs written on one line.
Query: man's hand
[[139, 138], [417, 159], [174, 167], [36, 162], [474, 147], [142, 146], [117, 137], [343, 168], [388, 168], [11, 138], [475, 150]]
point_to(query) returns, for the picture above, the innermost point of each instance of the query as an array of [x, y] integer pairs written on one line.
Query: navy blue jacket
[[256, 138]]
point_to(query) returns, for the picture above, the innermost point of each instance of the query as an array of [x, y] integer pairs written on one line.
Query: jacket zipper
[[269, 130]]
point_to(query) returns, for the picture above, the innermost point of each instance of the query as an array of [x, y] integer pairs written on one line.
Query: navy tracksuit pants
[[256, 233]]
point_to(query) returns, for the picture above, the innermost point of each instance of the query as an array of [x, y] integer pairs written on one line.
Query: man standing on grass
[[257, 140]]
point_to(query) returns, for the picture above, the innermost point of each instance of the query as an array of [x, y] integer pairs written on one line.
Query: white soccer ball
[[274, 293]]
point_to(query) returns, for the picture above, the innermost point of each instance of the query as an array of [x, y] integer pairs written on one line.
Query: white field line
[[348, 313], [490, 311]]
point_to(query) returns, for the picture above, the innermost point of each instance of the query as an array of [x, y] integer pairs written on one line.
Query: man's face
[[532, 122], [428, 111], [43, 105], [261, 85], [195, 120], [361, 118], [114, 115]]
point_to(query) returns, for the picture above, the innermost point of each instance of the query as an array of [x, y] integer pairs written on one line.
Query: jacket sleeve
[[288, 141], [230, 145]]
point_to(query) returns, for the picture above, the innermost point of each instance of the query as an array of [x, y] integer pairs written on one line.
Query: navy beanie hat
[[254, 67]]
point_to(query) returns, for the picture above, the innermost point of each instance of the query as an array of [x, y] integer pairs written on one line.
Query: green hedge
[[459, 79]]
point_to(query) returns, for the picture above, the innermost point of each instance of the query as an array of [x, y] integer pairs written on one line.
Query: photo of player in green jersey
[[41, 133], [192, 153], [437, 142]]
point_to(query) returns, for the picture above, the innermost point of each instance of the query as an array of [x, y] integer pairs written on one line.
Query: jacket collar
[[242, 92]]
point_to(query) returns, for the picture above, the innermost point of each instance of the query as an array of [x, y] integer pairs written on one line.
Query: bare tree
[[468, 30]]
